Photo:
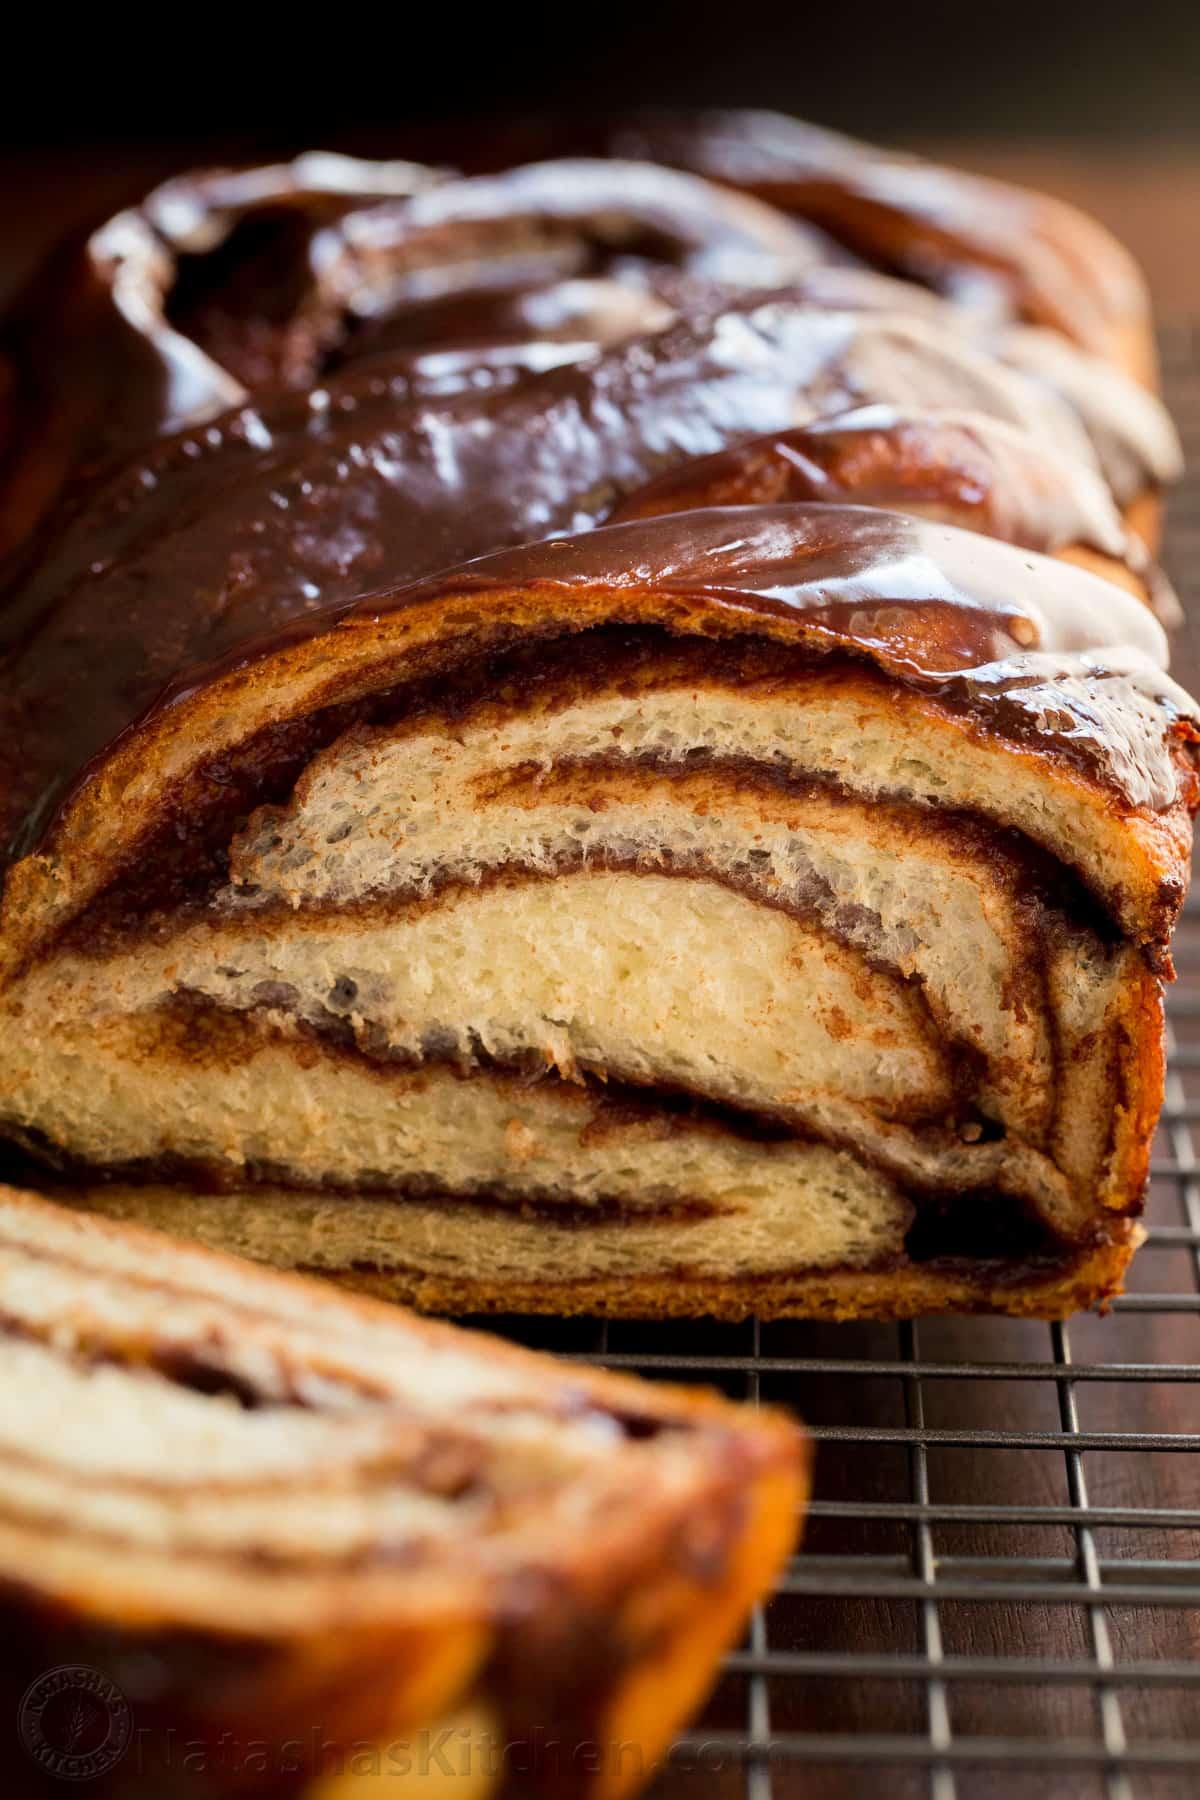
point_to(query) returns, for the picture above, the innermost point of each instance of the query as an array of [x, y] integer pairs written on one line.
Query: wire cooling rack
[[999, 1593]]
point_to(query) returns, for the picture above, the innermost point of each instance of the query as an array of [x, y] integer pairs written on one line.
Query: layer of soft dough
[[652, 979], [133, 1088], [393, 807], [385, 813]]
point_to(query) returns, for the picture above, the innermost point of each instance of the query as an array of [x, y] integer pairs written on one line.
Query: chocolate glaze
[[599, 208], [593, 310], [317, 291], [459, 258], [92, 360], [972, 470], [221, 284], [1031, 648], [1128, 426], [268, 515], [846, 580], [1001, 250]]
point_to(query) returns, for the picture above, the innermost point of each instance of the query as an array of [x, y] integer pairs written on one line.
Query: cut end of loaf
[[468, 1527], [642, 957]]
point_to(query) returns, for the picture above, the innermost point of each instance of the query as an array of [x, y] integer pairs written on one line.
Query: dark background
[[1095, 68], [1098, 100]]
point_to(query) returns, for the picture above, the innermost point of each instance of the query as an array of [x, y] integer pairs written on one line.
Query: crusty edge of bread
[[904, 1292]]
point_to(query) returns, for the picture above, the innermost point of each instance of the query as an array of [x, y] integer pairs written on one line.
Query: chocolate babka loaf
[[282, 1536], [746, 885]]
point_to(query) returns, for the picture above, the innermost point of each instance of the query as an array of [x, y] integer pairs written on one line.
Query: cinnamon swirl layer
[[757, 894], [281, 1505]]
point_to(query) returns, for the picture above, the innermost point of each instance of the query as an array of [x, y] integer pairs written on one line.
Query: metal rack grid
[[999, 1594]]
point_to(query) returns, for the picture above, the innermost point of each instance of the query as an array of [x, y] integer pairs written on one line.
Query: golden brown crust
[[1095, 1278]]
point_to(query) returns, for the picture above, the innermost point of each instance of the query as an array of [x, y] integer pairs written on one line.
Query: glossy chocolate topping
[[1131, 431], [597, 309], [971, 470], [468, 240], [1128, 430], [271, 513], [454, 259], [225, 283], [1031, 647], [96, 356], [999, 249], [916, 597]]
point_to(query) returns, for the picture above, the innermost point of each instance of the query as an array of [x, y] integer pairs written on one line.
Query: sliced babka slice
[[270, 1514]]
